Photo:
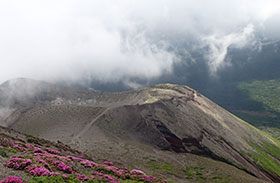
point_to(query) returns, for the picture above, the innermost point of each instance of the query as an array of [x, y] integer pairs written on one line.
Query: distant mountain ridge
[[161, 117]]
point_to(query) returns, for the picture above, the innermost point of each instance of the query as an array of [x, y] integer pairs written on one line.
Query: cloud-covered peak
[[115, 41]]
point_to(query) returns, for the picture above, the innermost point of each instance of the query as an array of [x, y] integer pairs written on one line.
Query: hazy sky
[[120, 40]]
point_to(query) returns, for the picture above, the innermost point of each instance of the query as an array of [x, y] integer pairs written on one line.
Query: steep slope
[[161, 117]]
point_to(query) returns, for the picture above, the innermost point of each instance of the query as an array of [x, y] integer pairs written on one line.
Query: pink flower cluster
[[117, 172], [12, 144], [12, 180], [109, 163], [88, 163], [104, 177], [82, 177], [147, 178], [29, 146], [43, 162], [110, 179], [46, 161], [18, 163], [39, 150], [19, 147], [6, 142], [52, 151], [36, 170], [137, 172], [63, 167], [74, 158]]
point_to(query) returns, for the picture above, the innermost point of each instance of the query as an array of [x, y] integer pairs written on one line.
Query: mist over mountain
[[138, 83], [104, 44]]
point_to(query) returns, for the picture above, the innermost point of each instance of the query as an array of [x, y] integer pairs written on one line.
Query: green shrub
[[3, 153]]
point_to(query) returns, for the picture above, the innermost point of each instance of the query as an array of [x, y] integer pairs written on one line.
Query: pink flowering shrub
[[18, 163], [74, 158], [42, 162], [6, 142], [47, 164], [109, 163], [137, 172], [117, 172], [110, 179], [82, 177], [88, 163], [52, 151], [104, 177], [147, 178], [121, 173], [19, 147], [36, 170], [63, 167], [38, 150], [12, 180], [29, 146]]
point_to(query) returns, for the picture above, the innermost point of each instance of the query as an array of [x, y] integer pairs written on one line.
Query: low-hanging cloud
[[121, 40], [219, 44]]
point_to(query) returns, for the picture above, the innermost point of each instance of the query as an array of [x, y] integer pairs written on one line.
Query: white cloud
[[219, 44], [115, 40]]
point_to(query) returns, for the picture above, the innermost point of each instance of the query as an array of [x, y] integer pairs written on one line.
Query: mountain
[[155, 128], [246, 86]]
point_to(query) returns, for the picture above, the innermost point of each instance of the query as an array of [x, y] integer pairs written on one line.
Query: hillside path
[[84, 130]]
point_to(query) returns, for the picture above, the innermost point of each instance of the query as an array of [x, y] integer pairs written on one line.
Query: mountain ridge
[[165, 116]]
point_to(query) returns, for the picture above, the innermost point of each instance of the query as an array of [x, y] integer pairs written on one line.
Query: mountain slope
[[38, 160], [166, 117], [266, 93]]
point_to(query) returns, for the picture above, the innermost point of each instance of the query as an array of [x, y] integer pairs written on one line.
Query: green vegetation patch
[[154, 165], [195, 172], [36, 140], [60, 179], [3, 153], [265, 92], [48, 179], [267, 156], [258, 120]]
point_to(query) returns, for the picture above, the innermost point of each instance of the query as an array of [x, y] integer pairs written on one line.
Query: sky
[[113, 41]]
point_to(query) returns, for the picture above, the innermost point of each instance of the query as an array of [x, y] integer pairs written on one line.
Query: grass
[[3, 153], [59, 178], [201, 174], [273, 131], [265, 92], [195, 172], [258, 120], [265, 156], [163, 166], [267, 124], [47, 179], [35, 140]]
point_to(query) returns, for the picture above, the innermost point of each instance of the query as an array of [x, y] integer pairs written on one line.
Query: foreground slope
[[29, 159], [139, 124]]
